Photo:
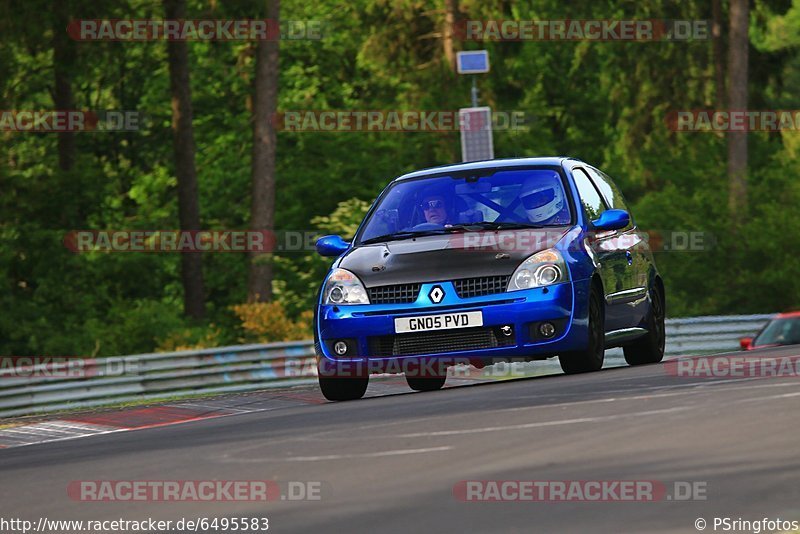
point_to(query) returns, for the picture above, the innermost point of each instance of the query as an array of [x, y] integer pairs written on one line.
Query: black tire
[[336, 388], [346, 382], [650, 348], [591, 359], [426, 384], [422, 376]]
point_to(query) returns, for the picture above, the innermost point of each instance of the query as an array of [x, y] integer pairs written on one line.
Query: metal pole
[[474, 92]]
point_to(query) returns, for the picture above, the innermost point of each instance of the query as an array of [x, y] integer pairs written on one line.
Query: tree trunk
[[183, 143], [717, 51], [262, 212], [63, 63], [450, 8], [737, 101]]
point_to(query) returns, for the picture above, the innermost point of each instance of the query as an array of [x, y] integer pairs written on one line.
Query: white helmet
[[542, 197]]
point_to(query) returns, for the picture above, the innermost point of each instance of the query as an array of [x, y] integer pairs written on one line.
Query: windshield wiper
[[493, 226], [467, 227], [397, 236]]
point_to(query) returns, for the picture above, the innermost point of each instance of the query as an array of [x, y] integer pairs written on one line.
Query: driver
[[433, 208], [544, 201]]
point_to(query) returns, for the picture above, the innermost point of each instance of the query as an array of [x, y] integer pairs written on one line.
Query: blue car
[[501, 260]]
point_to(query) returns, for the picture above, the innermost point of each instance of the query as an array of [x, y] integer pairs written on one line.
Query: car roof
[[486, 164]]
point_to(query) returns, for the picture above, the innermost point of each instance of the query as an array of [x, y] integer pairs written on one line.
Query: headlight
[[343, 287], [542, 269]]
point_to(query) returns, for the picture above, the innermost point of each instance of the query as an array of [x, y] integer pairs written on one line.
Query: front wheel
[[341, 381], [422, 377], [650, 348], [591, 359], [426, 384], [342, 389]]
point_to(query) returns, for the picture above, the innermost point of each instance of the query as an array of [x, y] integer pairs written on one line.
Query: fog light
[[340, 347], [507, 330], [547, 329]]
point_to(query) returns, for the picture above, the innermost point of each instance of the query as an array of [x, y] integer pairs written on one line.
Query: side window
[[593, 204], [610, 192]]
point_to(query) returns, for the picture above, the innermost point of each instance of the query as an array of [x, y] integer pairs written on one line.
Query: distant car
[[484, 262], [783, 329]]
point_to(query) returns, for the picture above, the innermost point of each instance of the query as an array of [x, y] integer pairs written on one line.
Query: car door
[[613, 256], [635, 244]]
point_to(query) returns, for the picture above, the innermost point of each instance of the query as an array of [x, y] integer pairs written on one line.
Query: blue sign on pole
[[473, 62]]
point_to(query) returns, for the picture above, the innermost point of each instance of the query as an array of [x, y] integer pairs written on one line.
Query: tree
[[183, 143], [63, 64], [450, 10], [737, 101], [265, 103], [718, 54]]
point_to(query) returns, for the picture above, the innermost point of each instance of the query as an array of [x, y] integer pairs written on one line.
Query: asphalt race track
[[390, 462]]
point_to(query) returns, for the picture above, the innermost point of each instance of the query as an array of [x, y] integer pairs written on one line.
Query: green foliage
[[265, 322], [298, 278]]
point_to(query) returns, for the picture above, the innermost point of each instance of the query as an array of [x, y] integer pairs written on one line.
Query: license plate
[[446, 321]]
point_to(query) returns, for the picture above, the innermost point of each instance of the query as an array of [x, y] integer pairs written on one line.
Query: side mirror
[[331, 246], [612, 220], [746, 343]]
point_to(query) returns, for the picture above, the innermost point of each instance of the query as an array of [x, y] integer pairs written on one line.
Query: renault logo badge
[[436, 295]]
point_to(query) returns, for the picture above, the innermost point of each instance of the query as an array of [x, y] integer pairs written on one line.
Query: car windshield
[[780, 332], [485, 199]]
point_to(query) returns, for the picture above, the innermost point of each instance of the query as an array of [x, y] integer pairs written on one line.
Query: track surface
[[389, 463]]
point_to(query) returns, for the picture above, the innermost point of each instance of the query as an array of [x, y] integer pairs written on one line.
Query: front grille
[[437, 342], [478, 287], [396, 294]]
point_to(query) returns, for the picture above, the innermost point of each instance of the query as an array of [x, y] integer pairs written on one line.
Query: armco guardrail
[[149, 376], [713, 333], [249, 367]]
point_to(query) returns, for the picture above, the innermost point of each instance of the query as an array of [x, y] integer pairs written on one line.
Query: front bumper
[[369, 329]]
